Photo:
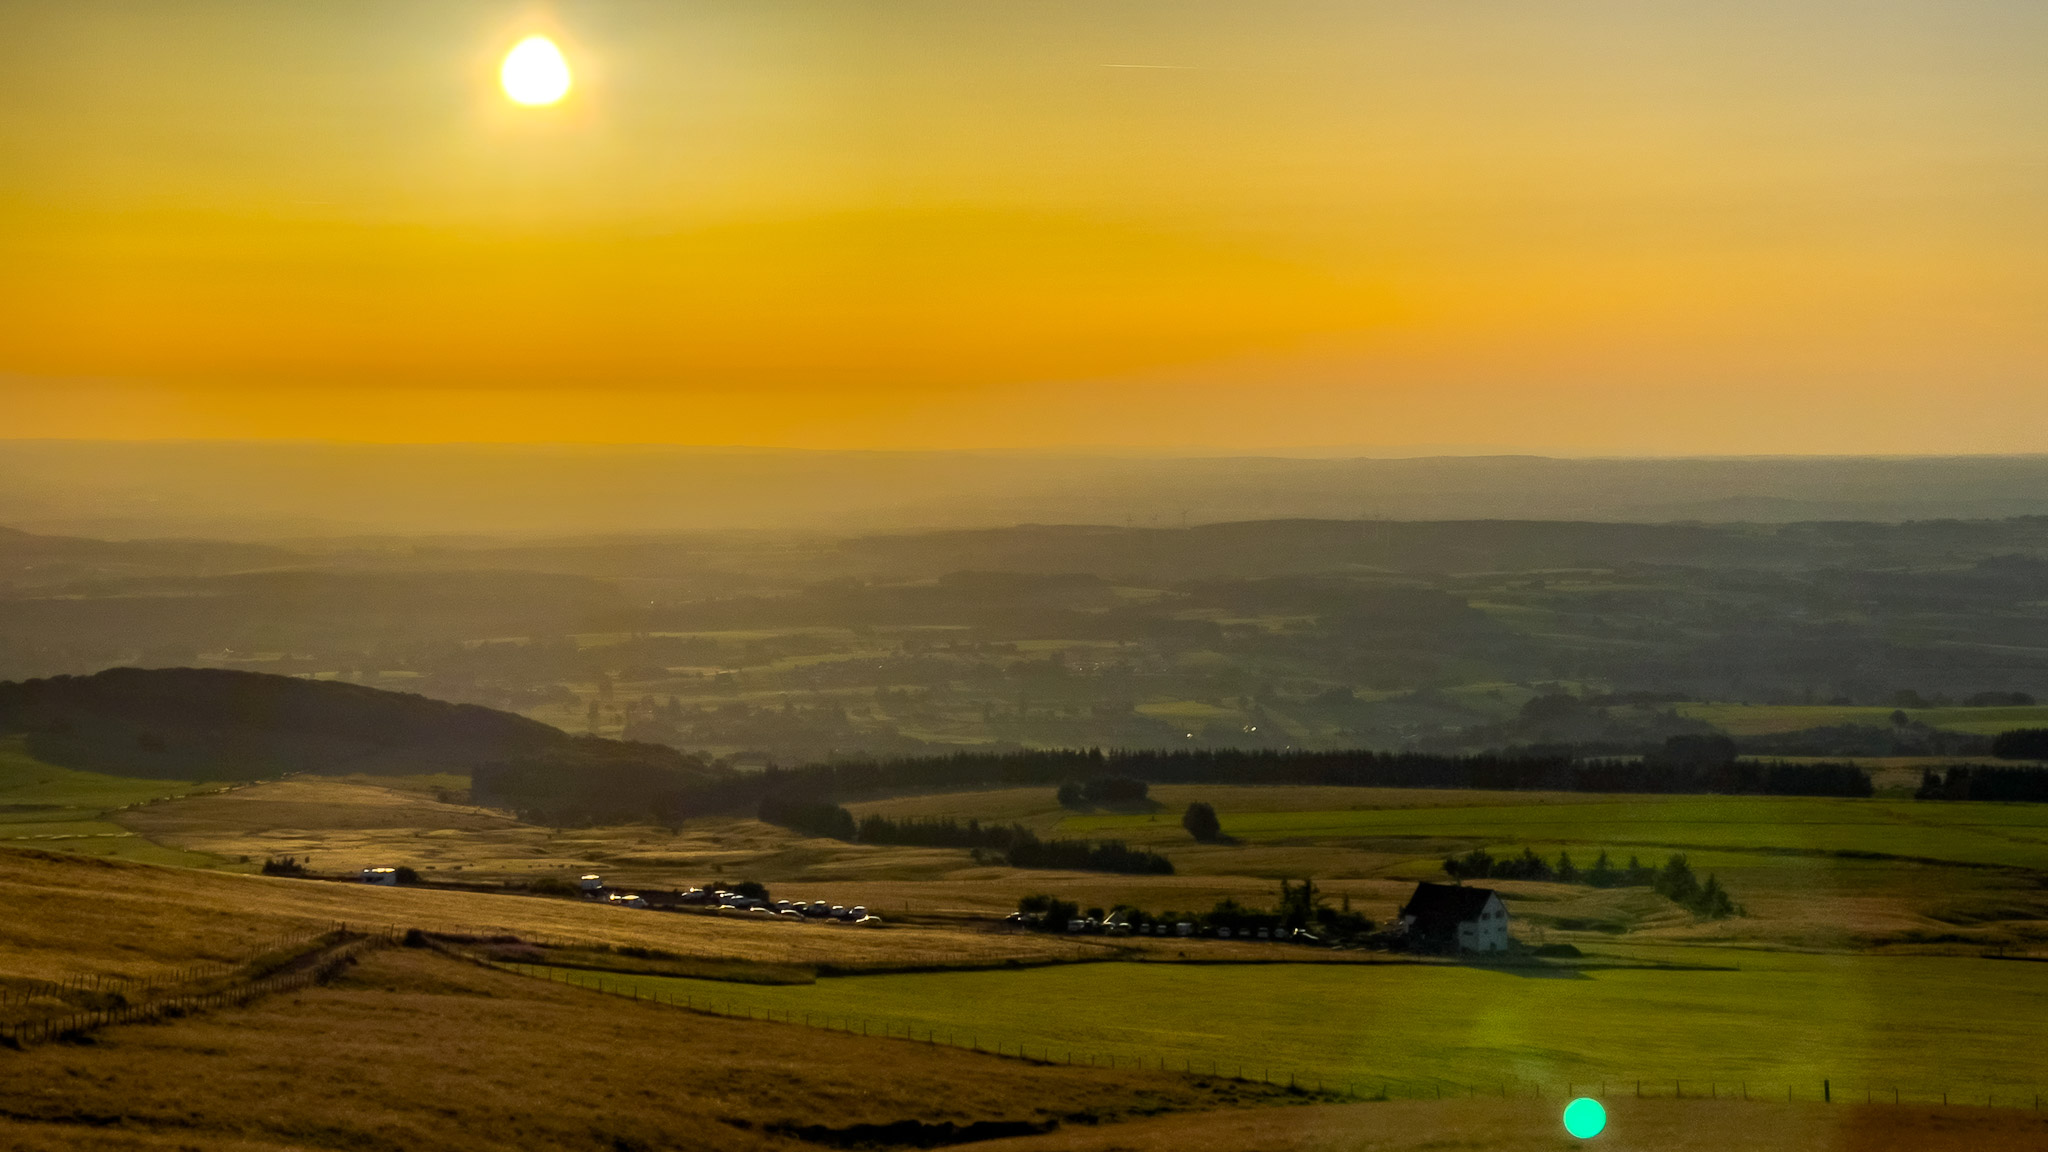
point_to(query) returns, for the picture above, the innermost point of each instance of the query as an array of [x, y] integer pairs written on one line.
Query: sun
[[534, 72]]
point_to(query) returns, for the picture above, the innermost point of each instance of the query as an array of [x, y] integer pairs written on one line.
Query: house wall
[[1489, 933]]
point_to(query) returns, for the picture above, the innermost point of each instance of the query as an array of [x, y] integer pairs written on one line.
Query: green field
[[1763, 719], [2007, 834], [44, 806], [1925, 1024]]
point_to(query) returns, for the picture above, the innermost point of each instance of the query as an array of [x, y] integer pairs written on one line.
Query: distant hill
[[213, 724]]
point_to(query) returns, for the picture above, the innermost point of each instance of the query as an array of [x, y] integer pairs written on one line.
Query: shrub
[[405, 875], [287, 866], [1201, 822]]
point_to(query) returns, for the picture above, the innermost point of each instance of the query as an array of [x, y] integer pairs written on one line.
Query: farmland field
[[2004, 834], [1771, 1020]]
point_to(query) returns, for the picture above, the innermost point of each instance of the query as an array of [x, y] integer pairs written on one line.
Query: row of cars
[[733, 904], [1115, 925]]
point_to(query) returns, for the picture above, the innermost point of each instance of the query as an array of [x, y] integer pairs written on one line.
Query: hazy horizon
[[278, 490], [1601, 229]]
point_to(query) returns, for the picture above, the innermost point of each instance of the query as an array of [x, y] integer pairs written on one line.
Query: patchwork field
[[1814, 873]]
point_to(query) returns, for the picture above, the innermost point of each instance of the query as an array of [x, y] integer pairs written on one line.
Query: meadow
[[1767, 1020], [2000, 834]]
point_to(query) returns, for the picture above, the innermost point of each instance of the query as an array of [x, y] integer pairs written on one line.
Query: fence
[[313, 967], [32, 990], [1346, 1085]]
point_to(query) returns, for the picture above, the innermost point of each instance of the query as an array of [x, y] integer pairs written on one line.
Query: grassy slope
[[413, 1050], [1925, 1023], [48, 806], [69, 915]]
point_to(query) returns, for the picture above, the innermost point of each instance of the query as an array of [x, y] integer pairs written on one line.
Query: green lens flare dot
[[1585, 1118]]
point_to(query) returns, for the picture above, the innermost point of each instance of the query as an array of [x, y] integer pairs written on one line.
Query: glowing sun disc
[[534, 72]]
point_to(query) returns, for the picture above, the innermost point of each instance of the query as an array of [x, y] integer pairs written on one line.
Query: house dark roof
[[1442, 907]]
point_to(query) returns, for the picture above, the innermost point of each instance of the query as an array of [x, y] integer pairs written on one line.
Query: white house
[[384, 876], [591, 883], [1454, 916]]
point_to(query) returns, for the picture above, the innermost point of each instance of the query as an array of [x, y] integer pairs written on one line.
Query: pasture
[[1998, 834], [1768, 1020]]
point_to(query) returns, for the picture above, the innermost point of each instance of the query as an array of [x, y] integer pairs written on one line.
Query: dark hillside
[[214, 724]]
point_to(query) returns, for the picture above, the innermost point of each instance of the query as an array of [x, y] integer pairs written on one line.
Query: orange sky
[[1581, 227]]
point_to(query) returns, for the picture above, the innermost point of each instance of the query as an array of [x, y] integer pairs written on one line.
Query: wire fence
[[1344, 1084], [338, 947], [28, 991]]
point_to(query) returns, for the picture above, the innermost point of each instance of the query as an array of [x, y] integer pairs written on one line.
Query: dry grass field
[[64, 915], [414, 1050]]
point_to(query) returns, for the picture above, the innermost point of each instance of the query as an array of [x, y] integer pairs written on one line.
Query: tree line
[[1017, 845], [1675, 880], [579, 785], [1978, 782], [1301, 907]]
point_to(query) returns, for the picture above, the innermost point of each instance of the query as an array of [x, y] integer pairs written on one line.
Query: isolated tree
[[1201, 822], [1712, 901], [1477, 864], [1603, 874], [1566, 872], [1676, 881]]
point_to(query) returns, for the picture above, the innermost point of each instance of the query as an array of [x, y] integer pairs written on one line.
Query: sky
[[1582, 227]]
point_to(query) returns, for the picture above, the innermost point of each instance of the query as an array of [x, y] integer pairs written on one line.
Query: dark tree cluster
[[1977, 782], [812, 818], [2021, 744], [1201, 822], [1104, 792], [1675, 880], [1018, 846], [1302, 907]]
